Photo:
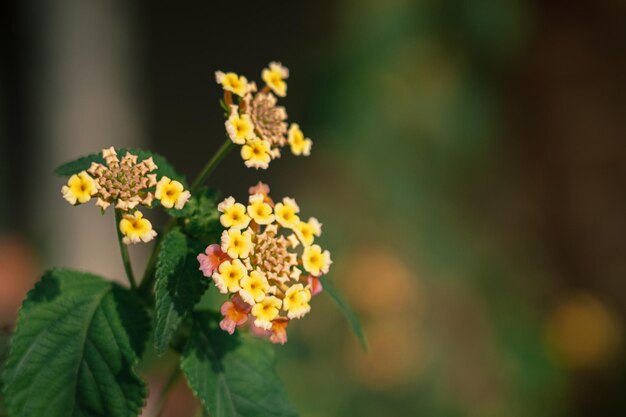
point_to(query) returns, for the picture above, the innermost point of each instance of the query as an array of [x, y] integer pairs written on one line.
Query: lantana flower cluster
[[256, 121], [126, 184], [267, 262]]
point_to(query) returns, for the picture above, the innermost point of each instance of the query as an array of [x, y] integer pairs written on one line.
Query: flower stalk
[[149, 277], [211, 165], [124, 251]]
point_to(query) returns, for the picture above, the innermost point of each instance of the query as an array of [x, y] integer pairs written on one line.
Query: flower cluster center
[[271, 255], [268, 118]]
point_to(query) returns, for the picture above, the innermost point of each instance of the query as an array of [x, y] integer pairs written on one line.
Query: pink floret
[[211, 259]]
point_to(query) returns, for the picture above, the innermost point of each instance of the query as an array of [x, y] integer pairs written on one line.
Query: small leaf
[[77, 339], [233, 376], [202, 202], [224, 106], [81, 164], [179, 286], [349, 314], [164, 167]]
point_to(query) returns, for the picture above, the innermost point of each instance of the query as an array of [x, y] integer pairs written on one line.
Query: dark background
[[468, 166]]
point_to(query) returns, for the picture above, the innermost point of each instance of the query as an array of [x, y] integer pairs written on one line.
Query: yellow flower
[[254, 287], [266, 311], [239, 127], [274, 77], [80, 187], [135, 228], [259, 210], [234, 214], [171, 193], [296, 301], [232, 82], [307, 231], [228, 275], [256, 153], [237, 244], [299, 145], [286, 213], [315, 261]]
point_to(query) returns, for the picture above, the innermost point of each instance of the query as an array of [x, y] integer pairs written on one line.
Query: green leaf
[[203, 219], [179, 285], [77, 339], [204, 201], [233, 376], [4, 351], [4, 348], [350, 315], [81, 164], [224, 106]]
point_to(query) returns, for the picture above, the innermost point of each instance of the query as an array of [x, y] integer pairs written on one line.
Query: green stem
[[211, 165], [148, 276], [124, 251], [171, 382]]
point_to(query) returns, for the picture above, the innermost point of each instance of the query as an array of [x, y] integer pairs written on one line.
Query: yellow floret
[[136, 229], [80, 187], [232, 82], [171, 193], [259, 210], [237, 244], [287, 213], [234, 214], [266, 311], [296, 301], [315, 261], [307, 231], [228, 275], [256, 153], [299, 144], [254, 287], [239, 127], [274, 77]]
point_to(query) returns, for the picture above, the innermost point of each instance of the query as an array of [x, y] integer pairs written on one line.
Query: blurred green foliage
[[4, 351], [410, 123]]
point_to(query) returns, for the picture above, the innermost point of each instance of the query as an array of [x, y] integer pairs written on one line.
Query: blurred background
[[468, 166]]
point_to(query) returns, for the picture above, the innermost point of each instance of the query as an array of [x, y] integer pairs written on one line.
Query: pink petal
[[226, 307], [228, 325], [214, 250], [241, 305], [260, 188], [279, 331], [212, 260], [316, 285], [233, 317], [258, 331]]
